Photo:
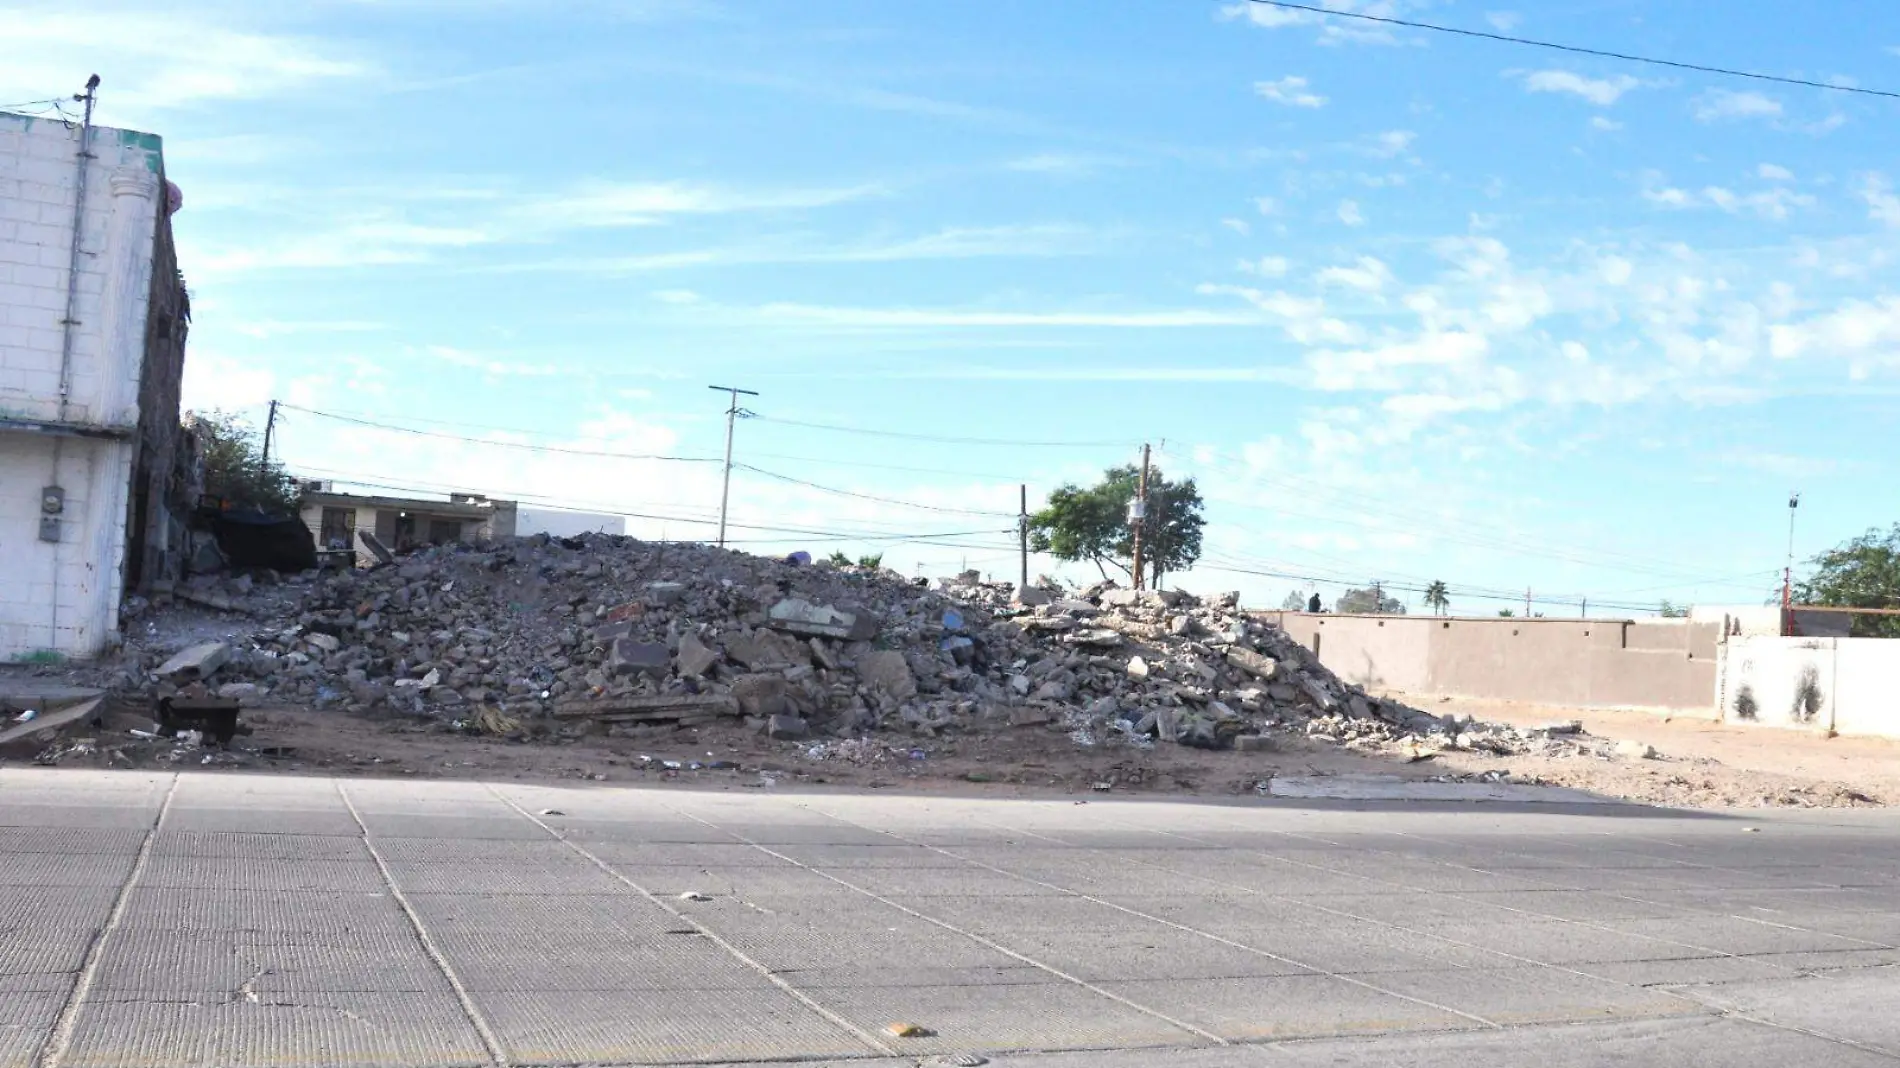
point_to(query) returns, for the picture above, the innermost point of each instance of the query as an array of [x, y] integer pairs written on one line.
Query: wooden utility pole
[[1022, 535], [270, 427], [1138, 513], [725, 485]]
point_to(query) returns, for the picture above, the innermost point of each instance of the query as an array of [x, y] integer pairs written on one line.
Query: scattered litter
[[27, 716], [552, 812], [694, 895], [907, 1030]]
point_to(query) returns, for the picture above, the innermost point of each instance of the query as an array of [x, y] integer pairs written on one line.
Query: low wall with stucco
[[1666, 664]]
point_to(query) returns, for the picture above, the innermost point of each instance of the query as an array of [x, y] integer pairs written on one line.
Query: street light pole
[[1787, 572], [733, 411]]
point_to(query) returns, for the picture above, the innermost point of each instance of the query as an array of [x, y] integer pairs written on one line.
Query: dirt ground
[[1699, 764]]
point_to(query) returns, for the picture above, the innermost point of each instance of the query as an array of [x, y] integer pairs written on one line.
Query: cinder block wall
[[63, 596]]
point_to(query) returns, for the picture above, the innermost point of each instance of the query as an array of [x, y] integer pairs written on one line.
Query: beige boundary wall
[[1609, 663]]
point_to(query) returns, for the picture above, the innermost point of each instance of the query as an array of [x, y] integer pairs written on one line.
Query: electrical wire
[[529, 446], [946, 440], [867, 496], [1578, 50]]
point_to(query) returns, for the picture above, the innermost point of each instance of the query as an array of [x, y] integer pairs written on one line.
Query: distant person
[[1313, 605]]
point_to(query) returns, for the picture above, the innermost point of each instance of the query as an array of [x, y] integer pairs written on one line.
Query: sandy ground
[[1699, 764]]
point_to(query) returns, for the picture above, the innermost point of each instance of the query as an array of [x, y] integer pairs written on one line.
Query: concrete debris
[[561, 636], [1631, 749]]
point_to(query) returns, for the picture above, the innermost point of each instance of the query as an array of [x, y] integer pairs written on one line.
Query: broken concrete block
[[1020, 684], [1094, 638], [640, 708], [1568, 726], [888, 672], [799, 616], [1256, 743], [1053, 691], [1181, 626], [1030, 717], [606, 633], [763, 695], [198, 662], [1078, 609], [764, 650], [1260, 667], [1137, 668], [695, 658], [328, 643], [1631, 749], [787, 727], [1030, 596], [1168, 724], [665, 594], [240, 692], [629, 657], [1119, 598]]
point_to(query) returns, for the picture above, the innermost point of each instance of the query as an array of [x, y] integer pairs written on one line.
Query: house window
[[338, 529], [444, 531]]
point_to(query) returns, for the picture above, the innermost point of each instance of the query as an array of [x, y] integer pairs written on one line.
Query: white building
[[562, 523], [91, 357]]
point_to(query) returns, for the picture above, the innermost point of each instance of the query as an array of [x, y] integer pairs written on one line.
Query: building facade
[[94, 467], [400, 523]]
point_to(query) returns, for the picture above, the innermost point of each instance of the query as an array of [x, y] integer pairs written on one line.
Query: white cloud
[[676, 296], [1599, 122], [1332, 31], [1503, 21], [1266, 205], [1882, 203], [1718, 105], [1392, 143], [1774, 203], [1770, 172], [1266, 266], [1602, 92], [1369, 275], [1292, 91], [1349, 213], [1239, 226], [1061, 163], [1857, 330]]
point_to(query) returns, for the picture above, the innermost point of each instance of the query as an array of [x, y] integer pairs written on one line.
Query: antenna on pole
[[733, 414]]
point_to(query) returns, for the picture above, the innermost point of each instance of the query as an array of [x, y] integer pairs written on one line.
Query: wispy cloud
[[1724, 105], [1061, 163], [887, 318], [154, 61], [1602, 92], [1776, 203], [1369, 275], [1291, 90], [619, 204], [1332, 31], [1029, 241], [1349, 213], [1599, 122]]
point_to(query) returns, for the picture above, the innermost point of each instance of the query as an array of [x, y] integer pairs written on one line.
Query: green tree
[[1438, 598], [1861, 573], [1092, 524], [1370, 601], [1507, 613], [1294, 602], [871, 561], [234, 464], [838, 559], [1668, 610]]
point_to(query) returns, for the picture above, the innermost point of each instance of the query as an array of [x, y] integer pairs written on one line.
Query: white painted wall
[[1851, 685], [64, 596], [564, 524]]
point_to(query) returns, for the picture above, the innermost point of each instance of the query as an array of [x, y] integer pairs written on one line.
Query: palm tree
[[1438, 598]]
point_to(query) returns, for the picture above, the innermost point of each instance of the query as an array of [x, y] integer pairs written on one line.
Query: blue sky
[[1410, 307]]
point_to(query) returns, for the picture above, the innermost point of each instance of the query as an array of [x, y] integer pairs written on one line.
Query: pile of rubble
[[646, 637]]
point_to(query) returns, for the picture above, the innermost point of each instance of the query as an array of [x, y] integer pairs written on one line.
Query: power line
[[946, 440], [502, 444], [871, 536], [1553, 46], [870, 497]]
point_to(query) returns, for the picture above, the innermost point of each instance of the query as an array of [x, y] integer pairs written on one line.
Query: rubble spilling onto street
[[553, 637]]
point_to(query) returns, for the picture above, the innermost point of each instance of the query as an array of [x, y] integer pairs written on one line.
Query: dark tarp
[[255, 539]]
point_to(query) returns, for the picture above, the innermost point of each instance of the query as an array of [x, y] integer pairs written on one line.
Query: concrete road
[[151, 920]]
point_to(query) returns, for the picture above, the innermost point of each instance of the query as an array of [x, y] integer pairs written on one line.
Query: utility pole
[[1138, 512], [1527, 602], [1584, 612], [1787, 572], [733, 412], [270, 427], [1022, 534]]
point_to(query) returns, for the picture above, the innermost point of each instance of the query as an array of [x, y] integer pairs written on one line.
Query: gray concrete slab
[[256, 921]]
